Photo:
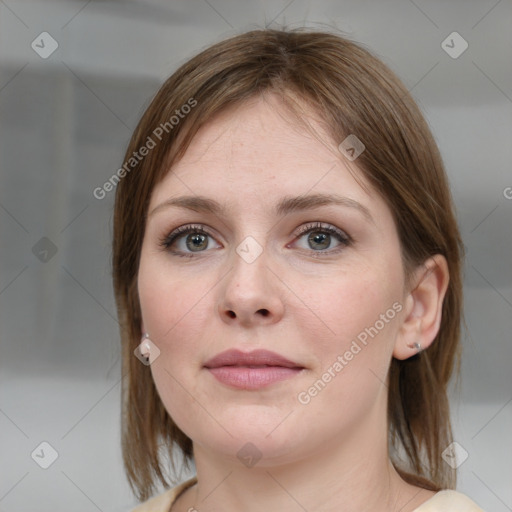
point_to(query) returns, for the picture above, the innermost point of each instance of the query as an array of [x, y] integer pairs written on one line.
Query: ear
[[423, 308]]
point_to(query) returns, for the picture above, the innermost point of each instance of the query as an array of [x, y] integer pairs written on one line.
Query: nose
[[252, 293]]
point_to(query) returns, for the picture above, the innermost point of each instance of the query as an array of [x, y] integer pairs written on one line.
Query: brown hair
[[354, 93]]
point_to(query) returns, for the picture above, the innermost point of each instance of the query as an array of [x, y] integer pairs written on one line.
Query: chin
[[254, 434], [253, 449]]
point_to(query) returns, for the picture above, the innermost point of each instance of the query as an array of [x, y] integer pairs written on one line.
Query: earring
[[145, 347], [417, 346], [147, 351]]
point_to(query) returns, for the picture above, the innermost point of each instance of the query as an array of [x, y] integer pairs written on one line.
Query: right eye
[[196, 241]]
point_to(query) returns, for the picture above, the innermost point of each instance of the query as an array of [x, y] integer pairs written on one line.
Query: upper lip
[[259, 357]]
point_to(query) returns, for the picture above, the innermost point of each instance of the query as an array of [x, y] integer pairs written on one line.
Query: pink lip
[[251, 370]]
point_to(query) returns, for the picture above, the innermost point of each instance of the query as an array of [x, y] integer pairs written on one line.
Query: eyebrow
[[285, 206]]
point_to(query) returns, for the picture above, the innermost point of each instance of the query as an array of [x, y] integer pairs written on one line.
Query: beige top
[[443, 501]]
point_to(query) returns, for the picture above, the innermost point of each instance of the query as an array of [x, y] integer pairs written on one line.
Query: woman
[[287, 272]]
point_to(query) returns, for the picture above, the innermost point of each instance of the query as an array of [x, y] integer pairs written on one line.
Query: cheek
[[171, 303], [177, 313], [344, 307], [354, 342], [353, 361], [173, 315]]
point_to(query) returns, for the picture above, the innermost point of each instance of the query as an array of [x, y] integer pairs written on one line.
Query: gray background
[[65, 124]]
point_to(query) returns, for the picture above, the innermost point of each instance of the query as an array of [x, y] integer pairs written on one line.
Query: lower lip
[[243, 377]]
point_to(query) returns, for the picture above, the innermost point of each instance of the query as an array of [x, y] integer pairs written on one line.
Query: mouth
[[251, 370]]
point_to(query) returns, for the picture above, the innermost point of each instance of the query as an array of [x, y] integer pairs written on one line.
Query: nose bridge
[[249, 261], [250, 250]]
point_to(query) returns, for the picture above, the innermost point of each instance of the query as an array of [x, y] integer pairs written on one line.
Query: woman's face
[[318, 283]]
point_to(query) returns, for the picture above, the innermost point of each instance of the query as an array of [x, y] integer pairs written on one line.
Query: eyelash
[[344, 239]]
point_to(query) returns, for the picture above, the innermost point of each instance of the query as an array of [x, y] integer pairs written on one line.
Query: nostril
[[264, 312], [231, 314]]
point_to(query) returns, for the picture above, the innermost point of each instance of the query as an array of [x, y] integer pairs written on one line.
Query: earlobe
[[423, 311]]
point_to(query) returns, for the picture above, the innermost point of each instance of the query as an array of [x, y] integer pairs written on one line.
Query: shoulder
[[449, 501], [164, 501]]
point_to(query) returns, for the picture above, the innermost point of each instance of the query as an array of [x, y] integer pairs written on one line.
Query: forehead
[[259, 150], [262, 128]]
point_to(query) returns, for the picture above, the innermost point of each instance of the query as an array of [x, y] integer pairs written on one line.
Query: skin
[[330, 453]]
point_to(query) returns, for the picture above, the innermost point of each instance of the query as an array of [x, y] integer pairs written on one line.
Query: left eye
[[319, 237]]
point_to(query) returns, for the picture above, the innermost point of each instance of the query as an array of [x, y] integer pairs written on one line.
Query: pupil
[[196, 241], [321, 239]]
